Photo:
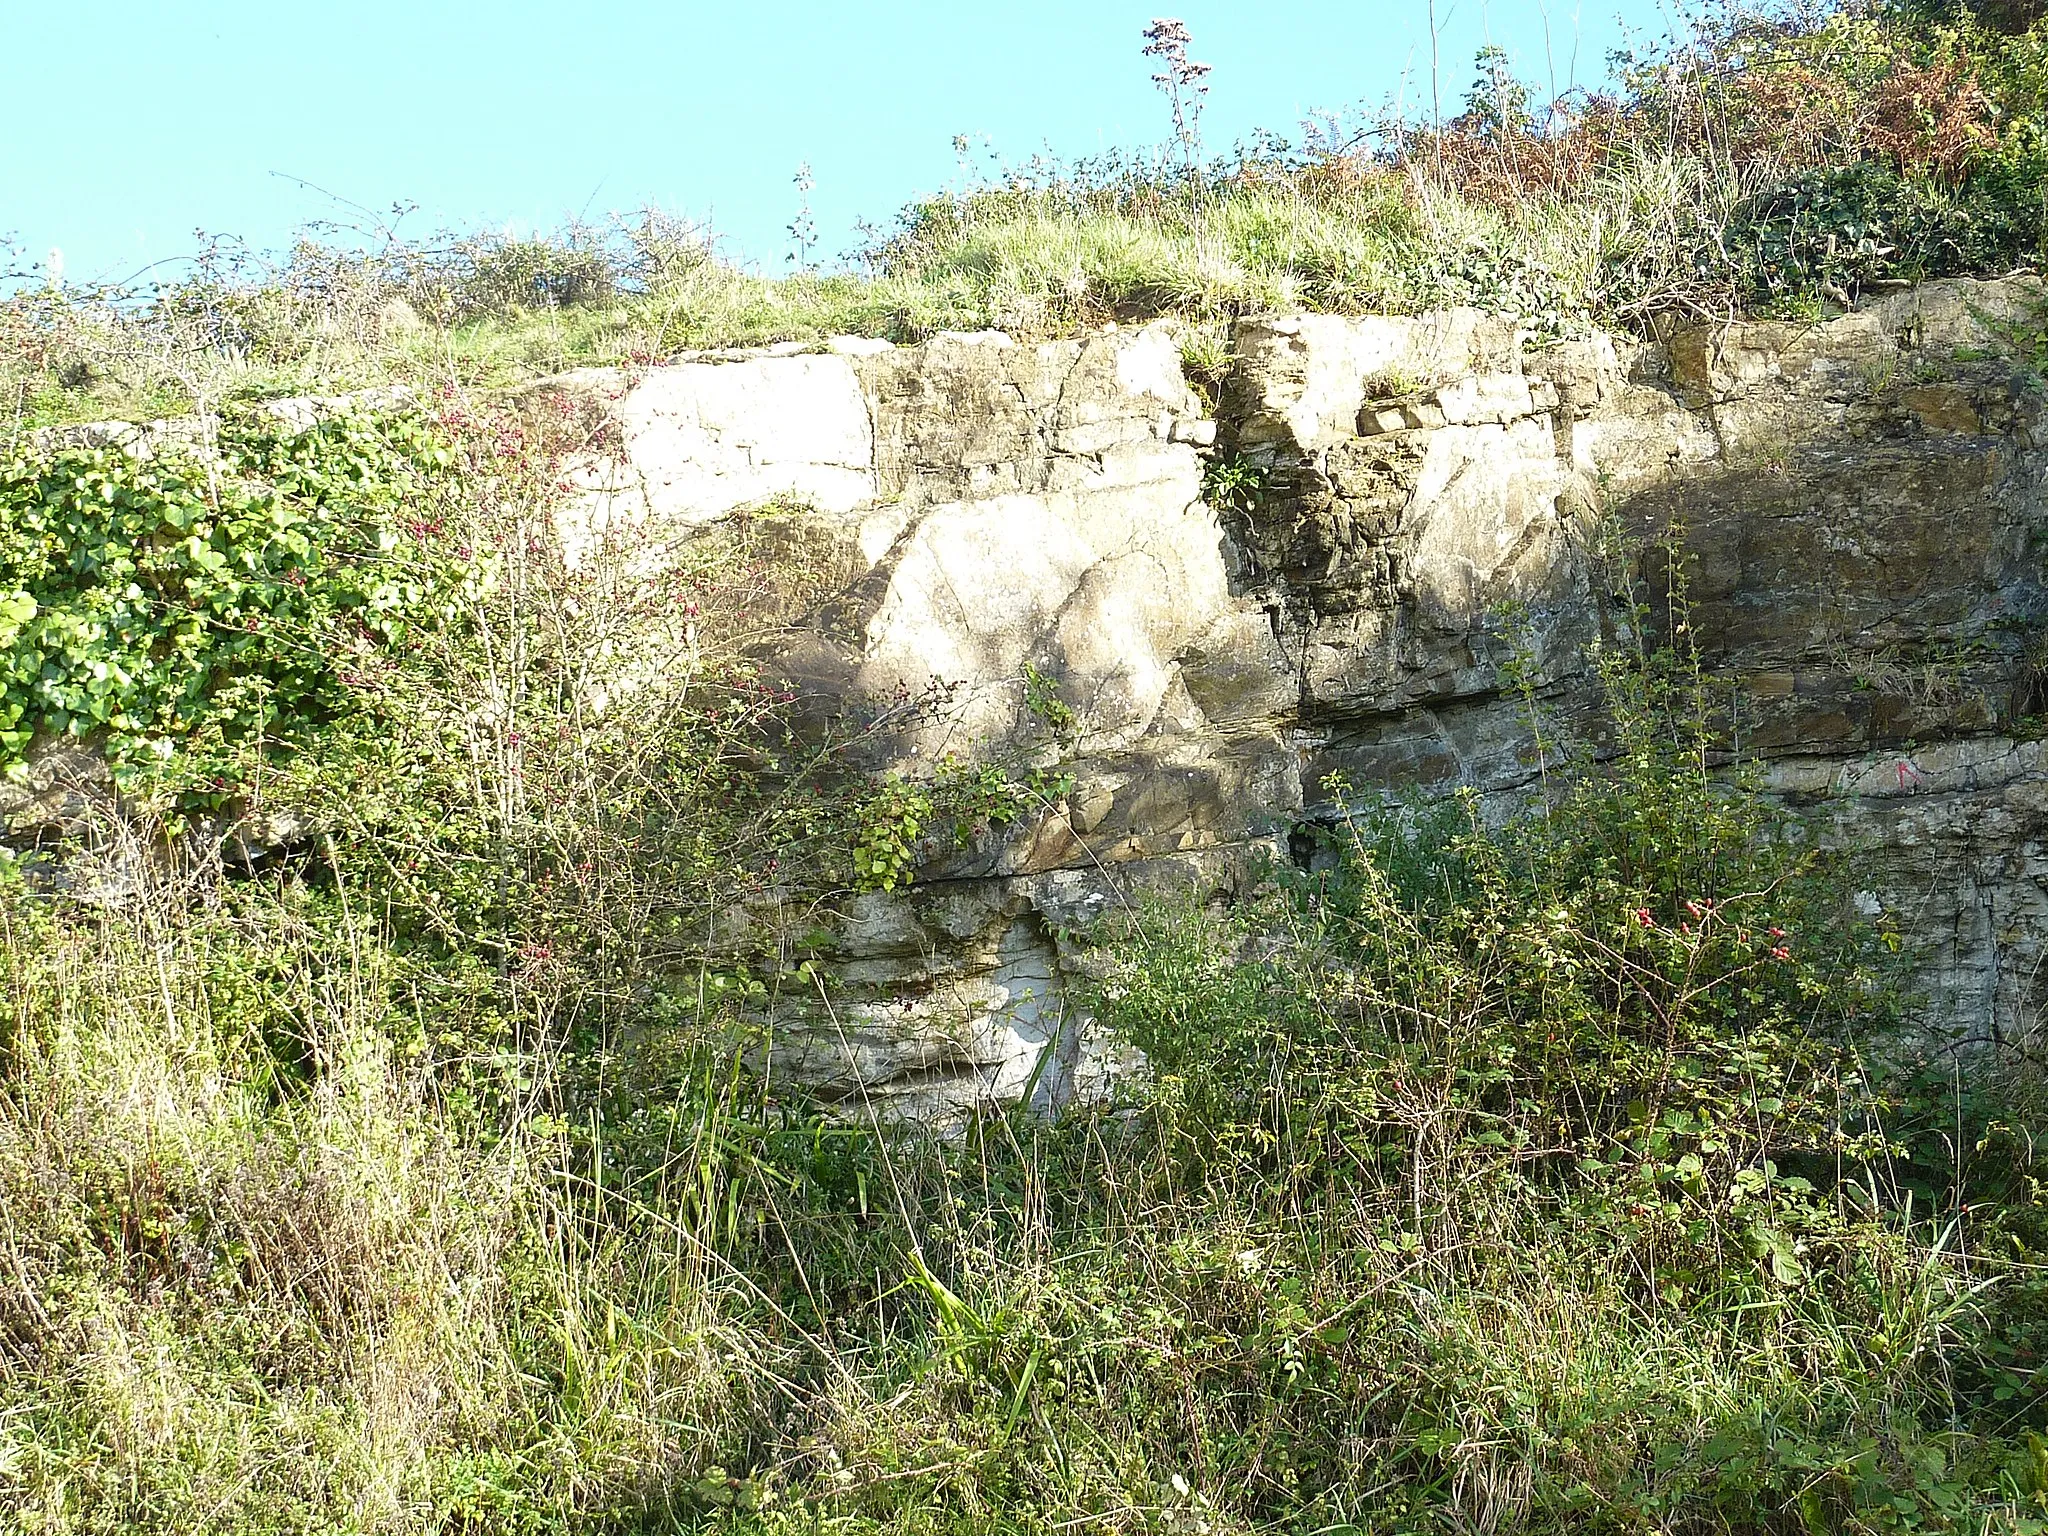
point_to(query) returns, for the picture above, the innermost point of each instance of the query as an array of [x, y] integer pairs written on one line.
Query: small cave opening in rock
[[1304, 841]]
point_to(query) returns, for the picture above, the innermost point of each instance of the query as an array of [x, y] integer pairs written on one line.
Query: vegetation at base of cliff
[[413, 1171], [1783, 158]]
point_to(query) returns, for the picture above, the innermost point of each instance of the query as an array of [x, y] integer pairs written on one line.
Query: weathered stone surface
[[1953, 837], [60, 790], [1848, 517], [1309, 376], [696, 440], [1856, 508]]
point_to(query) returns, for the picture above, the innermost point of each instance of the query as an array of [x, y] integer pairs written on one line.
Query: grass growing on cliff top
[[410, 1175], [1783, 158]]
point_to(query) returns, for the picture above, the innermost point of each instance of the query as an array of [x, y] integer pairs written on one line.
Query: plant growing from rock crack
[[1234, 483], [1205, 356], [903, 822], [892, 823], [1043, 702]]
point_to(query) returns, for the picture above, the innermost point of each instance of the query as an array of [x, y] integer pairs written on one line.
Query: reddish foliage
[[1770, 103], [1937, 118], [1502, 168]]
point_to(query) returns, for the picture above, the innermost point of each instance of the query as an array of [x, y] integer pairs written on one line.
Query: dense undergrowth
[[403, 1168], [1774, 157], [380, 1145]]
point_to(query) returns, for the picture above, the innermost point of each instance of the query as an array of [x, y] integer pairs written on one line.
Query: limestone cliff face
[[1860, 505], [1860, 511]]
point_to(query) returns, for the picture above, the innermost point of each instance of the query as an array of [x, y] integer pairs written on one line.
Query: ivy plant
[[182, 609]]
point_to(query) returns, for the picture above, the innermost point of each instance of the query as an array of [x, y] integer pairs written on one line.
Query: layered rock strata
[[1857, 506], [1025, 569]]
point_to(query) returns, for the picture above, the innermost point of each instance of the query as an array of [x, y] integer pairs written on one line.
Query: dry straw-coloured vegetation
[[396, 1167]]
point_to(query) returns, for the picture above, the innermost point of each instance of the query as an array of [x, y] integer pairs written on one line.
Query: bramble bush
[[1528, 1173], [1637, 1001]]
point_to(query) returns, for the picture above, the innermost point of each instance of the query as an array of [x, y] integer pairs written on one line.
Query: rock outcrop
[[1858, 505], [1024, 567]]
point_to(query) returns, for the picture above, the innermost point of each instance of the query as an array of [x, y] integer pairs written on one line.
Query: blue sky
[[129, 125]]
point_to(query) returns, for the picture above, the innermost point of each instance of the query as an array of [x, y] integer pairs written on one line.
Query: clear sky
[[128, 125]]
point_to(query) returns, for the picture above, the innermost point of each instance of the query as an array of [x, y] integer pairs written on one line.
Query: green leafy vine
[[182, 609]]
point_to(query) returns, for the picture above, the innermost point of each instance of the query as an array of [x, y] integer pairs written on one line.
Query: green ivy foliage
[[1833, 231], [906, 822], [182, 609]]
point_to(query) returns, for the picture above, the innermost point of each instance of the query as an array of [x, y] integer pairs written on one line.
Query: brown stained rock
[[61, 789], [1943, 408]]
